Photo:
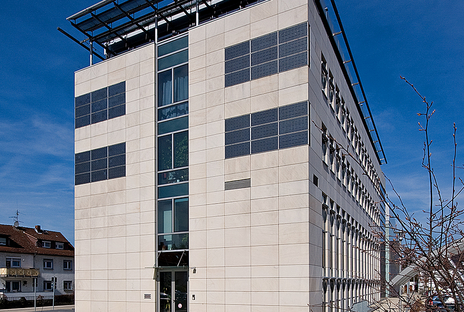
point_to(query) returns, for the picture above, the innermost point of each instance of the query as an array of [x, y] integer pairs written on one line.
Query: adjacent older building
[[34, 254], [226, 160]]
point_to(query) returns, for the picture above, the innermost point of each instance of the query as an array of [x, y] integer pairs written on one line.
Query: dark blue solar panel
[[293, 125], [293, 47], [237, 150], [293, 139], [263, 117], [99, 175], [99, 105], [82, 167], [264, 56], [264, 70], [293, 61], [264, 145], [82, 100], [264, 131], [264, 42], [237, 77], [82, 121], [99, 153], [82, 157], [82, 178], [110, 15], [293, 32], [100, 116], [117, 149], [117, 100], [237, 123], [117, 88], [117, 172], [99, 94], [117, 111], [238, 63], [293, 110], [82, 110], [237, 50], [99, 164], [238, 136]]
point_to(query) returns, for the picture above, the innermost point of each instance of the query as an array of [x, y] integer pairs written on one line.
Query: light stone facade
[[257, 248], [115, 219]]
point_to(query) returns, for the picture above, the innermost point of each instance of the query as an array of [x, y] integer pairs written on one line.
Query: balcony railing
[[14, 272]]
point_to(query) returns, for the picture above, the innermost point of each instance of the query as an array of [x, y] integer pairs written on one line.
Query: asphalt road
[[67, 308]]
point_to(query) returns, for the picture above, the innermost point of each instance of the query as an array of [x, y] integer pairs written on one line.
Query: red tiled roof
[[27, 240]]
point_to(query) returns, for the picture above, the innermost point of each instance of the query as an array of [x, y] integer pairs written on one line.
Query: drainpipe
[[34, 280]]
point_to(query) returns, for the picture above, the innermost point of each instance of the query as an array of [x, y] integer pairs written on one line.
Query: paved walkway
[[63, 308]]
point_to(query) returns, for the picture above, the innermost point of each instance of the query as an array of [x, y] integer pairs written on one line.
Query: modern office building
[[226, 160]]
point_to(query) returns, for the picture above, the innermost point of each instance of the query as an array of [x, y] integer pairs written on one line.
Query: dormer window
[[46, 244], [2, 241], [59, 245]]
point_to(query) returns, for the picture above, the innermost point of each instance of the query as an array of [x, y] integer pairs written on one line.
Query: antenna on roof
[[16, 219]]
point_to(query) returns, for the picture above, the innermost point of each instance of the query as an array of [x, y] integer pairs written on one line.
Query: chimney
[[38, 229]]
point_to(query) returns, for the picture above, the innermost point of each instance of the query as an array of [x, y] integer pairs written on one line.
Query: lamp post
[[400, 234]]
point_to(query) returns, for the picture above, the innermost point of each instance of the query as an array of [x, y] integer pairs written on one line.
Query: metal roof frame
[[119, 25]]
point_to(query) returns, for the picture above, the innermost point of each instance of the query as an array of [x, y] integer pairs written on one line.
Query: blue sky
[[421, 40]]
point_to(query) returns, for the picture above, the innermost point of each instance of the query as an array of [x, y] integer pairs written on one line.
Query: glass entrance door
[[173, 291]]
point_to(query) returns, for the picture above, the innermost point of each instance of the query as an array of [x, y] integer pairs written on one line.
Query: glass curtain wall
[[172, 163]]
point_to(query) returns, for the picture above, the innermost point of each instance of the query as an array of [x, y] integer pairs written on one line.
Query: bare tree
[[431, 248]]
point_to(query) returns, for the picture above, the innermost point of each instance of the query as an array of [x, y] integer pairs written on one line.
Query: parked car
[[435, 304]]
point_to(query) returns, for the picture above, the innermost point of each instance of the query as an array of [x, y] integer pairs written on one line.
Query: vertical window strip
[[172, 144]]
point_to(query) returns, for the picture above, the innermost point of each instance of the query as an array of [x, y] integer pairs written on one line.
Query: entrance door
[[173, 291]]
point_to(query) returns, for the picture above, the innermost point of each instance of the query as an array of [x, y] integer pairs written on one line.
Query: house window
[[47, 285], [2, 241], [67, 285], [59, 245], [48, 264], [13, 262], [67, 264], [13, 286], [46, 244]]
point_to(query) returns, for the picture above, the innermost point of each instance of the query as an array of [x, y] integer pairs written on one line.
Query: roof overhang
[[117, 26]]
